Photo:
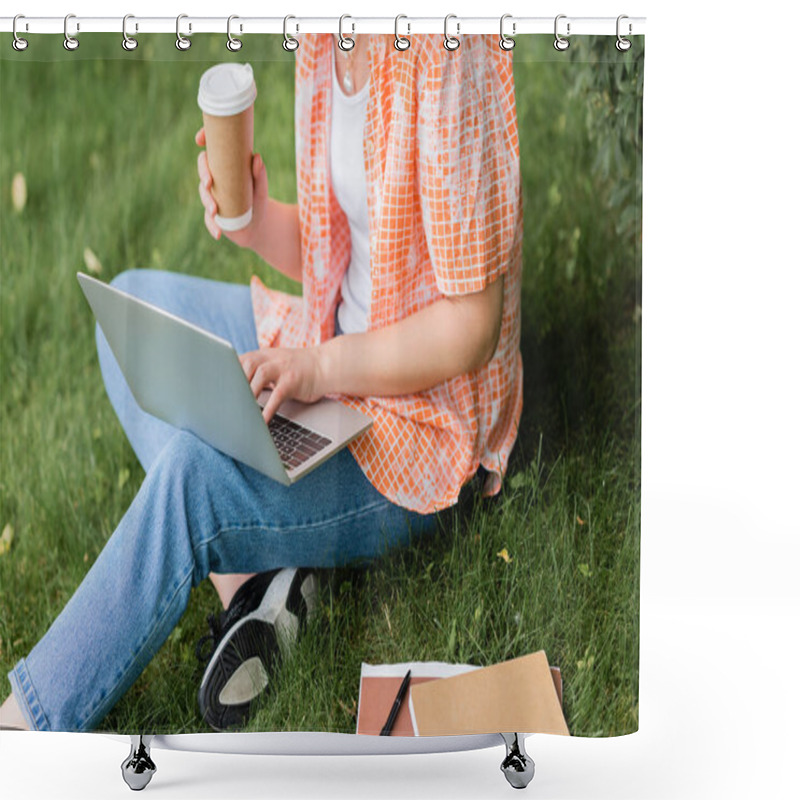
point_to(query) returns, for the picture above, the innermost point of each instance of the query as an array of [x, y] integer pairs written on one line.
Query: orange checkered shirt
[[445, 218]]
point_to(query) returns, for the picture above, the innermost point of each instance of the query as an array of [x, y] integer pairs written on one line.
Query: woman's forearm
[[453, 336], [273, 232], [278, 242]]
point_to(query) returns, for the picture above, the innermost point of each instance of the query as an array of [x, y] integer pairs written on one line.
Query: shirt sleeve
[[468, 164]]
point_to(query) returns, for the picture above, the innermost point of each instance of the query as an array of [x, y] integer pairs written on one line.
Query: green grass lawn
[[104, 140]]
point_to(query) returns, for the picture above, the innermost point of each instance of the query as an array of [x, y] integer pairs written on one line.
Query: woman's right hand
[[249, 236]]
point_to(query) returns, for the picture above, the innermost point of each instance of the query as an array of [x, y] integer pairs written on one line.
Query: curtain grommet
[[233, 44], [18, 43], [560, 43], [346, 43], [182, 43], [401, 43], [290, 43], [70, 42], [129, 43], [506, 42], [451, 43]]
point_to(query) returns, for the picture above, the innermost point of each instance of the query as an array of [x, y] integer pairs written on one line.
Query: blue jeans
[[197, 511]]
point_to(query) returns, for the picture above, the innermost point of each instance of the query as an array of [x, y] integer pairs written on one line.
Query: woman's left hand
[[291, 373]]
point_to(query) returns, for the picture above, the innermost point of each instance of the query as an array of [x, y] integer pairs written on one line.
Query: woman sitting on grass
[[407, 240]]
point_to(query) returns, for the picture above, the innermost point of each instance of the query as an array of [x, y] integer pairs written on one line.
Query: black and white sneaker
[[264, 615]]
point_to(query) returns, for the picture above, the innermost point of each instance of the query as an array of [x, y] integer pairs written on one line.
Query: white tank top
[[349, 178]]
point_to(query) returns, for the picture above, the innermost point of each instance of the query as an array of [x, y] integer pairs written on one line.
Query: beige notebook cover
[[517, 696], [378, 691]]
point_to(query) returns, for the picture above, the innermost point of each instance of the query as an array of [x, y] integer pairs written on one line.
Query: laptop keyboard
[[295, 443]]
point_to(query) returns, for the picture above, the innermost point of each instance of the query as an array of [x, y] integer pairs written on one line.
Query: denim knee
[[191, 475]]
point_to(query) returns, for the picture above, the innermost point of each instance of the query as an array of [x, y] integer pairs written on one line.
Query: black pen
[[398, 701]]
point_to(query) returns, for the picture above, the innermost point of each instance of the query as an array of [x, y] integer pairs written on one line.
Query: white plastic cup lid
[[226, 89]]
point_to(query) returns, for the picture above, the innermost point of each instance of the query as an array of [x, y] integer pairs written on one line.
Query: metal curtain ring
[[400, 42], [506, 42], [70, 42], [234, 44], [561, 43], [19, 43], [349, 42], [623, 44], [182, 43], [451, 42], [128, 42], [290, 44]]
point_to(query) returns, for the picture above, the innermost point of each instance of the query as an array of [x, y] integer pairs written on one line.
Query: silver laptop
[[193, 380]]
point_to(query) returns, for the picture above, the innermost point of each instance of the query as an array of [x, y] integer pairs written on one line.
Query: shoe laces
[[206, 645]]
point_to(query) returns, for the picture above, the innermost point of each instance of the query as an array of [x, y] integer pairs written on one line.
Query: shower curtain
[[507, 544]]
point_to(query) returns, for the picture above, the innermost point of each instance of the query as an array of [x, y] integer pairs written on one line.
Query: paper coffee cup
[[226, 96]]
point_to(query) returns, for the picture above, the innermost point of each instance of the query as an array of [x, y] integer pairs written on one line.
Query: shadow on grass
[[581, 374]]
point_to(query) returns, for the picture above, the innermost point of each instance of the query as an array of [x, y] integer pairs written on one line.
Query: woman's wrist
[[324, 359], [257, 239], [276, 238]]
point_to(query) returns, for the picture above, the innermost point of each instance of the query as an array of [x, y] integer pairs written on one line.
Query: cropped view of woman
[[406, 239]]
